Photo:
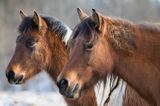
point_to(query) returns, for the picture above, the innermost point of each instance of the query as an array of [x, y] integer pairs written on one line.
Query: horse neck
[[59, 55], [140, 74], [149, 38]]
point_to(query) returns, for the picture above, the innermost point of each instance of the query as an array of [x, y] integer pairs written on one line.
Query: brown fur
[[131, 98], [130, 51], [122, 36], [49, 53], [144, 58]]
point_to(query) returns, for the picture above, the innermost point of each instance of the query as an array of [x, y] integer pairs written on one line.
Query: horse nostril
[[19, 78], [10, 75], [63, 84]]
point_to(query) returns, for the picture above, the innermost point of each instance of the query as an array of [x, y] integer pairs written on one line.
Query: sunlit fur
[[49, 53], [122, 48]]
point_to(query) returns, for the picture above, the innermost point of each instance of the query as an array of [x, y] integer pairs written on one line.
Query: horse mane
[[122, 33], [148, 26], [54, 25]]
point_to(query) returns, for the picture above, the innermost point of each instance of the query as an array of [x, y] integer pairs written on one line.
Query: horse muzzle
[[13, 79], [67, 90]]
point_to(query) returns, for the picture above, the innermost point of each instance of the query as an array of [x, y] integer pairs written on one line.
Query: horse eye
[[30, 43], [88, 46]]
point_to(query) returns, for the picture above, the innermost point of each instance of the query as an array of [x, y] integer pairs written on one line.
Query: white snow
[[28, 98]]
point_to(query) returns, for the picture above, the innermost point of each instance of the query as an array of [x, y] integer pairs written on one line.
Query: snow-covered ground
[[28, 98], [38, 91]]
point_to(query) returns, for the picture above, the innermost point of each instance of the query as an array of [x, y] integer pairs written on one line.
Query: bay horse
[[101, 45], [41, 45]]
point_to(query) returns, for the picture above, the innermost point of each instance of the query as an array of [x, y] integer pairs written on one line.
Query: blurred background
[[64, 10]]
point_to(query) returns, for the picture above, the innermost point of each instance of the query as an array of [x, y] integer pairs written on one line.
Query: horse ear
[[82, 14], [37, 19], [97, 19], [22, 14]]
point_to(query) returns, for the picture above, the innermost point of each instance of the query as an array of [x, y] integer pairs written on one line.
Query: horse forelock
[[27, 24], [85, 28]]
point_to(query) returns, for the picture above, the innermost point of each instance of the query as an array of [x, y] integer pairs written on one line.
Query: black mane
[[54, 25], [86, 26]]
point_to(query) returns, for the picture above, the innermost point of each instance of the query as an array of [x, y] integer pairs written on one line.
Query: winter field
[[29, 98], [39, 91]]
